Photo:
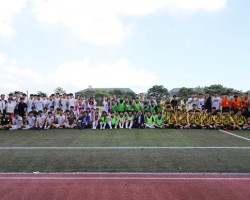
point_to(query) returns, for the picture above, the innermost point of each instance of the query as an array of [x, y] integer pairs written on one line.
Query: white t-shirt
[[64, 104], [216, 102], [10, 107], [40, 119], [105, 106], [60, 118], [50, 103], [18, 121], [30, 103], [72, 102], [45, 102], [192, 101], [38, 104], [201, 102], [31, 121], [50, 119], [56, 102]]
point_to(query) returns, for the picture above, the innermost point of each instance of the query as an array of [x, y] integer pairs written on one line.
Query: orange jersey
[[244, 102], [225, 102], [236, 103]]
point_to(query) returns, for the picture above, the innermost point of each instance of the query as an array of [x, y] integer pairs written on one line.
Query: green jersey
[[121, 107], [130, 117], [145, 109], [128, 106], [137, 106], [113, 120], [151, 109], [103, 118], [121, 118], [159, 121], [159, 109], [149, 120], [113, 107], [154, 116]]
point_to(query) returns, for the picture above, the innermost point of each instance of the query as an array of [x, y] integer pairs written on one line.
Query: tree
[[42, 93], [59, 90], [215, 88], [199, 90], [119, 93], [130, 95], [185, 93], [159, 91]]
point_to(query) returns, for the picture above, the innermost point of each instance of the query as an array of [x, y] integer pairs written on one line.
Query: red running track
[[124, 186]]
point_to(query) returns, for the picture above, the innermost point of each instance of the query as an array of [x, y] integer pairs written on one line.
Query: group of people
[[18, 112]]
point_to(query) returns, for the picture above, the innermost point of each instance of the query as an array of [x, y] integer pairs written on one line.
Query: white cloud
[[9, 9], [15, 77], [73, 76], [100, 22], [80, 74]]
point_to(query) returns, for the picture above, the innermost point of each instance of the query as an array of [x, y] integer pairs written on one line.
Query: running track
[[106, 186]]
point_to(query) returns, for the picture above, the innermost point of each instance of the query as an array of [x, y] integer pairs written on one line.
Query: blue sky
[[136, 44]]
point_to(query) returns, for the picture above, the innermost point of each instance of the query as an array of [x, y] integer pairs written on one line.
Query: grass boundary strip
[[124, 178]]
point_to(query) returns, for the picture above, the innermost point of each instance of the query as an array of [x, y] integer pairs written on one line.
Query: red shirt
[[236, 103], [225, 102], [244, 102]]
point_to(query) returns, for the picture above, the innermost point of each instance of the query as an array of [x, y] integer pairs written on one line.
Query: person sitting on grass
[[6, 122], [247, 125], [149, 120], [70, 121], [30, 122], [49, 121], [83, 121], [227, 121], [40, 120], [197, 120], [121, 120], [129, 120], [159, 121], [218, 120], [103, 120], [208, 122], [171, 121], [17, 122], [95, 120], [60, 119], [183, 121], [191, 118], [139, 120], [178, 114], [240, 120], [112, 121], [203, 112]]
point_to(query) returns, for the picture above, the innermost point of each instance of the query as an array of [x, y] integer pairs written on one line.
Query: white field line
[[119, 178], [244, 138], [114, 148]]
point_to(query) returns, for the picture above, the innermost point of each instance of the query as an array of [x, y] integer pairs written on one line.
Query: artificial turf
[[124, 160]]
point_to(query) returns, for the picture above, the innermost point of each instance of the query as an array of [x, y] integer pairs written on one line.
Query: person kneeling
[[83, 121]]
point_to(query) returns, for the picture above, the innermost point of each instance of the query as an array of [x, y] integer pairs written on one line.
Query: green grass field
[[139, 159]]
